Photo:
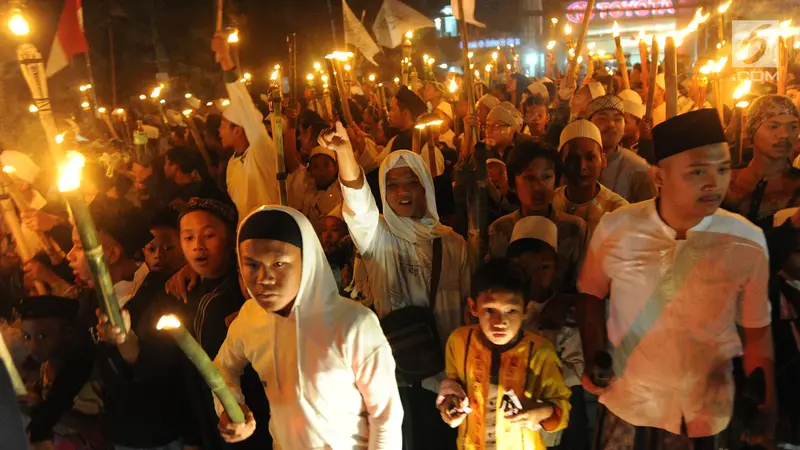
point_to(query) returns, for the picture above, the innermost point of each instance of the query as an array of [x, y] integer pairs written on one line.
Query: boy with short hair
[[518, 372], [534, 245]]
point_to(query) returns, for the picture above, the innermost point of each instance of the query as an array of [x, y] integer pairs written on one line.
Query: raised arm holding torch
[[572, 70], [336, 62]]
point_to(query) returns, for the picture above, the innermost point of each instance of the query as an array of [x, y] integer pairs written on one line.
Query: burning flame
[[340, 56], [477, 74], [233, 37], [724, 7], [615, 29], [324, 78], [310, 77], [567, 29], [743, 104], [742, 89], [156, 92], [142, 97], [580, 59], [432, 123], [225, 102], [488, 67], [187, 95], [120, 111], [409, 34], [9, 169], [317, 66], [551, 45], [33, 109], [372, 77], [714, 66], [101, 110], [425, 58], [397, 80], [85, 105], [274, 76], [554, 21], [70, 178], [168, 322], [187, 112], [453, 86], [494, 56], [470, 54], [60, 138]]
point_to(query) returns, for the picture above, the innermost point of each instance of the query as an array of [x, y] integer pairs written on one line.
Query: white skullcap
[[632, 102], [596, 89], [545, 80], [151, 131], [23, 166], [446, 108], [536, 227], [661, 81], [505, 113], [538, 88], [783, 215], [494, 161], [489, 100], [322, 151], [234, 115], [580, 128]]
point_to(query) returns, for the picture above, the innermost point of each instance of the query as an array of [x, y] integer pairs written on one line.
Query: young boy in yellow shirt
[[504, 383]]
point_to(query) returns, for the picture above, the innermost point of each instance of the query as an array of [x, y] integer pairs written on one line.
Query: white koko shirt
[[674, 308]]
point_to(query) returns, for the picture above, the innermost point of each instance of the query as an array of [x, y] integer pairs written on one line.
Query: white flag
[[396, 19], [356, 35], [469, 11]]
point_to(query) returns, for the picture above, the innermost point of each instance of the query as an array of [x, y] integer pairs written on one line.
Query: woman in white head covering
[[398, 249], [326, 367]]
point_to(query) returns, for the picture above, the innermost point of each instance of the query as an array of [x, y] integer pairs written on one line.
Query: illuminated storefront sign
[[621, 9], [492, 43]]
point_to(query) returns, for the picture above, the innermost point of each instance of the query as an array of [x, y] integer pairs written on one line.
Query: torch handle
[[104, 287], [25, 252], [573, 63], [623, 65], [220, 9], [671, 77], [277, 137], [210, 374], [643, 57], [653, 73]]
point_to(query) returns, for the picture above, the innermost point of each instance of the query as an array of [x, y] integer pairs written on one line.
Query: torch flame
[[488, 67], [615, 29], [156, 92], [225, 102], [699, 17], [168, 322], [310, 77], [274, 76], [409, 34], [714, 66], [33, 108], [743, 104], [187, 112], [551, 45], [567, 29], [233, 37], [340, 56], [724, 7], [469, 55], [9, 169], [453, 86], [70, 178], [554, 20], [742, 89], [372, 77], [120, 111], [494, 56], [317, 66]]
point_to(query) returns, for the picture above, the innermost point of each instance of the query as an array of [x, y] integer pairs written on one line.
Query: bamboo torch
[[11, 368], [671, 77], [24, 251], [783, 55], [276, 101], [587, 17], [643, 57], [712, 71], [172, 325], [336, 61], [652, 74], [738, 115], [623, 66], [197, 138], [69, 184]]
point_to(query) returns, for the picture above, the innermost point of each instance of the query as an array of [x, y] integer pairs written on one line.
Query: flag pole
[[475, 169]]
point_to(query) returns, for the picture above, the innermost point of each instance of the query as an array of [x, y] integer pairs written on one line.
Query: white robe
[[327, 368]]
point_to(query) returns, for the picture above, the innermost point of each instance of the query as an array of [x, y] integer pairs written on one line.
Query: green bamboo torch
[[69, 184], [203, 363]]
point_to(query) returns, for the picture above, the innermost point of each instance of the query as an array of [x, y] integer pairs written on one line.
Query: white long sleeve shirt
[[252, 175]]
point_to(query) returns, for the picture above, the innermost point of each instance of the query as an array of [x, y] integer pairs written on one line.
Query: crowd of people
[[631, 289]]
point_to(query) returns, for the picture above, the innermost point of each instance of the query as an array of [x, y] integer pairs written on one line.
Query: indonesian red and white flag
[[69, 40], [395, 19], [356, 35], [469, 11]]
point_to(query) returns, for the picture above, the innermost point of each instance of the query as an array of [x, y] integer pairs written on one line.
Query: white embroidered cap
[[632, 102], [446, 108], [536, 227], [318, 150], [489, 100], [580, 128], [538, 88], [596, 89]]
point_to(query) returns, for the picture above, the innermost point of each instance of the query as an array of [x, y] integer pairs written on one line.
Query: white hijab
[[427, 228]]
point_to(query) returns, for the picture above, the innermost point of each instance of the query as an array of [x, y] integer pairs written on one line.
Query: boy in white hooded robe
[[326, 367]]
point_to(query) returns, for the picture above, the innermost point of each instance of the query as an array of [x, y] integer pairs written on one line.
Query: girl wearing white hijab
[[397, 250], [325, 364]]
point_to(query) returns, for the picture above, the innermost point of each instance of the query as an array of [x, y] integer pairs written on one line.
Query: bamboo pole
[[13, 373], [671, 77], [201, 145], [198, 357], [623, 66], [652, 74], [572, 71], [54, 252], [336, 70], [24, 251], [643, 57], [276, 101], [69, 185], [220, 11], [783, 65]]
